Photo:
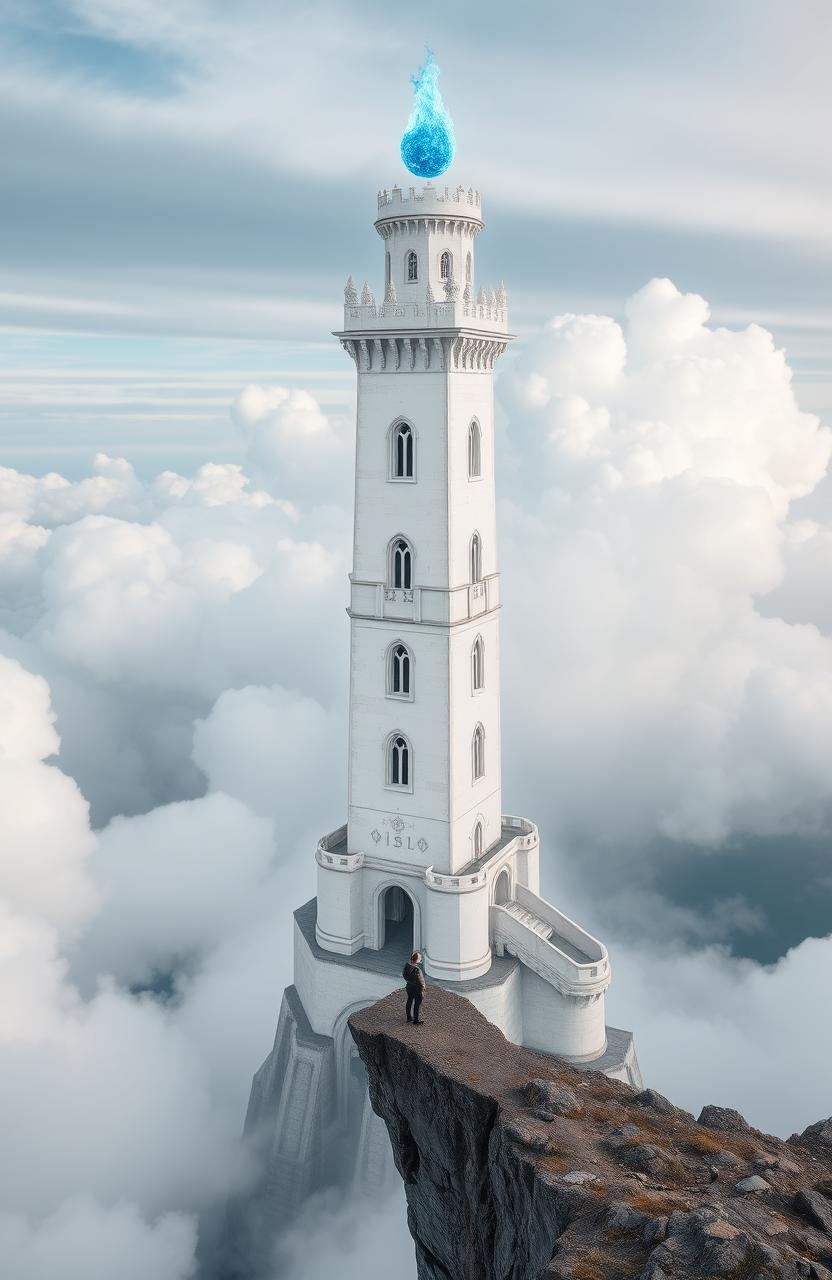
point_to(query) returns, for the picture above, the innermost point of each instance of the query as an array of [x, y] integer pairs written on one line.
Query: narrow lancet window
[[402, 452], [478, 665], [476, 558], [412, 267], [401, 564], [446, 266], [478, 753], [478, 840], [400, 678], [474, 451], [398, 762]]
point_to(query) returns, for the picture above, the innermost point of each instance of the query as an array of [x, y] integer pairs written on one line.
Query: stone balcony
[[483, 317], [440, 606]]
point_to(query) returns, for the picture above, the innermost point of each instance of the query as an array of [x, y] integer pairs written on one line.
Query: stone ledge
[[501, 1186]]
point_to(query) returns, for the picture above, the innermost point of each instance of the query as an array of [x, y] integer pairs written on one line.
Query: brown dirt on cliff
[[624, 1184]]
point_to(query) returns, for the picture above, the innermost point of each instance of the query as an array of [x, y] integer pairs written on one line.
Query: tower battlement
[[456, 201]]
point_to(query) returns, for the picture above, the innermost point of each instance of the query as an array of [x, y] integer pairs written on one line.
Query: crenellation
[[454, 312], [429, 194]]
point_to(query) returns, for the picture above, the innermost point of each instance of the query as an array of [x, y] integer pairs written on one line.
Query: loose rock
[[750, 1185], [725, 1119], [648, 1158], [821, 1132], [557, 1098], [656, 1101], [815, 1207]]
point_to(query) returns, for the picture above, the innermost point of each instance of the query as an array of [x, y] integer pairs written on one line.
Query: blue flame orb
[[428, 143]]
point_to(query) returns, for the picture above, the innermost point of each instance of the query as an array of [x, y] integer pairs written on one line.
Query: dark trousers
[[414, 1003]]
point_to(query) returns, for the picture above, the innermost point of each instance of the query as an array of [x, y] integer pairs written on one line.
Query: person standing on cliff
[[415, 988]]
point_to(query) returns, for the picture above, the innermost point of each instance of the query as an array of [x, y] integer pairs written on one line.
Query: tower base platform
[[309, 1118]]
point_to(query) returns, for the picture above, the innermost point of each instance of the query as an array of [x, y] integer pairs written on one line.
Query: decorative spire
[[350, 293], [481, 298], [502, 296], [367, 299], [466, 292], [492, 298], [390, 292], [429, 295], [451, 289]]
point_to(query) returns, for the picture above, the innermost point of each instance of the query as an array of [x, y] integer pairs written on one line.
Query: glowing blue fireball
[[428, 144]]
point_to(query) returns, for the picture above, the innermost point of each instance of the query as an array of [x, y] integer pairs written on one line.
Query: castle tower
[[426, 859], [424, 760]]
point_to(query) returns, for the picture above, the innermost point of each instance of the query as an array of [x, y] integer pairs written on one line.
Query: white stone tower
[[426, 860], [424, 781]]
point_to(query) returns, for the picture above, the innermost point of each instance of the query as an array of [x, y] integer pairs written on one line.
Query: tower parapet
[[429, 200], [489, 315]]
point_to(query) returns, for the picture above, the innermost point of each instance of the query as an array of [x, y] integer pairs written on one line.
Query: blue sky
[[187, 184]]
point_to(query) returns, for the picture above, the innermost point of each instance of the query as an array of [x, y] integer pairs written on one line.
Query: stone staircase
[[549, 942]]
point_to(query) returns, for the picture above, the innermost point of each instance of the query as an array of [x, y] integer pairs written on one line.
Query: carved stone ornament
[[350, 293], [451, 289], [367, 298]]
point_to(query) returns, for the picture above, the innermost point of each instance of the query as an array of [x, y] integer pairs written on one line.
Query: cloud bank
[[172, 741]]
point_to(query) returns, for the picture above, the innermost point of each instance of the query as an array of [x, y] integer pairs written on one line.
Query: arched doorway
[[396, 920], [502, 889]]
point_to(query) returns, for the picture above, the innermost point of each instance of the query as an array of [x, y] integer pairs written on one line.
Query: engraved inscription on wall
[[399, 835]]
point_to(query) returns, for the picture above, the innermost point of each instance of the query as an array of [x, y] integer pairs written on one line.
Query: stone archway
[[397, 920], [502, 889]]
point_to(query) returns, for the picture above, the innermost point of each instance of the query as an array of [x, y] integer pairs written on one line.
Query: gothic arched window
[[468, 269], [402, 452], [446, 266], [476, 558], [400, 671], [478, 839], [412, 266], [478, 753], [401, 563], [399, 764], [478, 665], [474, 451], [386, 271]]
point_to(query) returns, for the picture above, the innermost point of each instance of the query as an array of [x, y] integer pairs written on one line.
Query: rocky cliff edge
[[518, 1167]]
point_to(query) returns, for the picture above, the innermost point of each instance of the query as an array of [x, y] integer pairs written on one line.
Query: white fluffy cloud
[[711, 1028], [657, 465], [45, 836], [83, 1241], [668, 395], [291, 446], [175, 881]]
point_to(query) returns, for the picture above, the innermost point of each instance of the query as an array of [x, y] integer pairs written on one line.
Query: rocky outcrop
[[518, 1167]]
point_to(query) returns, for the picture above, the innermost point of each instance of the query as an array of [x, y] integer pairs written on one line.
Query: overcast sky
[[185, 187], [186, 184]]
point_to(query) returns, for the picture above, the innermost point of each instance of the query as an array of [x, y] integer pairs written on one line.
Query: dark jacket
[[414, 979]]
